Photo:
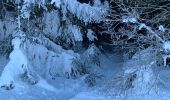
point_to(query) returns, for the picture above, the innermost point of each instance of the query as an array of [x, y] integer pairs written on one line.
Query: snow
[[90, 96], [26, 92], [165, 59], [86, 12], [164, 78], [45, 85], [161, 28], [25, 12], [54, 63], [57, 3], [14, 68], [90, 35], [166, 49], [142, 25], [6, 28], [151, 31], [71, 33], [58, 89], [76, 33], [54, 66], [97, 3], [25, 8], [166, 46], [71, 89], [68, 58], [3, 62], [52, 23], [129, 19]]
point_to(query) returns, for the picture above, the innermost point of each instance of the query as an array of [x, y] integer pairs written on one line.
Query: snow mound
[[17, 65]]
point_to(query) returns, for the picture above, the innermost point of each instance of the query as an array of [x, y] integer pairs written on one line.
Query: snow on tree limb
[[142, 25], [84, 12]]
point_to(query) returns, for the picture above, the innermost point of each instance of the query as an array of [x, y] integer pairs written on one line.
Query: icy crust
[[17, 65]]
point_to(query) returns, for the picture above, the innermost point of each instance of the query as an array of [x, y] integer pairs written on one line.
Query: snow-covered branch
[[142, 25], [83, 11]]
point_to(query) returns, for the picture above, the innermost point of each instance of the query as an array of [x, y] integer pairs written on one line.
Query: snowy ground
[[66, 89], [69, 89]]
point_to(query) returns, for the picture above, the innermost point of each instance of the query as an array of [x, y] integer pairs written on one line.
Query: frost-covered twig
[[142, 25]]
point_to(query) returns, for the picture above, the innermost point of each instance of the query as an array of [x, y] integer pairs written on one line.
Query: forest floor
[[76, 89]]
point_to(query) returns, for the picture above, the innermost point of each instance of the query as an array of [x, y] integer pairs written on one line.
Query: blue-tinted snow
[[70, 89]]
